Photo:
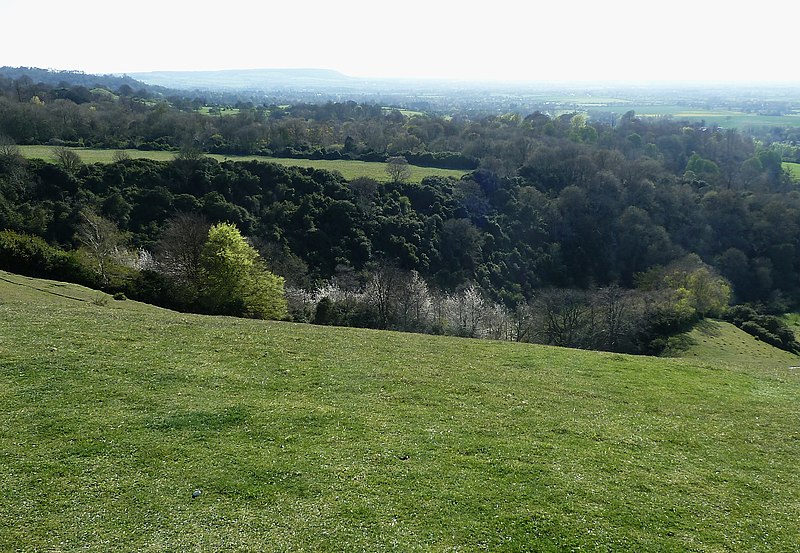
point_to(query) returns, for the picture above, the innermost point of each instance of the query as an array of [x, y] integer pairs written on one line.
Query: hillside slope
[[335, 439], [722, 343]]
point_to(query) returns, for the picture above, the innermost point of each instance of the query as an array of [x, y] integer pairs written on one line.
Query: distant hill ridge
[[245, 78], [70, 78], [164, 82]]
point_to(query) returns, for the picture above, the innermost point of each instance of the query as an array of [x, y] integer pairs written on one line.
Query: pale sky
[[562, 40]]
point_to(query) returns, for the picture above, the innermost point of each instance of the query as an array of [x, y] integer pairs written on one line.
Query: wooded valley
[[565, 230]]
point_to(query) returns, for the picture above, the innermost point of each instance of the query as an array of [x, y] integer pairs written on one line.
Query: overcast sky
[[564, 40]]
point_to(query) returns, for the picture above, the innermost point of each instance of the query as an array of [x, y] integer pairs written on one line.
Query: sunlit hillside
[[296, 437]]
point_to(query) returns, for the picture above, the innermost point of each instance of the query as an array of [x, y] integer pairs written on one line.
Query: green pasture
[[218, 111], [794, 169], [349, 169], [405, 112], [308, 438]]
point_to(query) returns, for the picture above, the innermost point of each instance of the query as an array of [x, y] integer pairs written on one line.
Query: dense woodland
[[563, 230]]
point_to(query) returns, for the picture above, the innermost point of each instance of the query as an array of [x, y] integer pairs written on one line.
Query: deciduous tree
[[67, 159], [235, 279], [101, 239], [397, 169]]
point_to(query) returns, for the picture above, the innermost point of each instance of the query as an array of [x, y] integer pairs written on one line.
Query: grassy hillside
[[348, 168], [723, 343], [305, 438]]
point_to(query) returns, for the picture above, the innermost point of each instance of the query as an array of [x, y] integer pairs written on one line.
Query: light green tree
[[235, 278], [710, 293], [698, 287]]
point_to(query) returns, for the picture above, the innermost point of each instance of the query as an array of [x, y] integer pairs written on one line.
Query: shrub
[[29, 255], [767, 328]]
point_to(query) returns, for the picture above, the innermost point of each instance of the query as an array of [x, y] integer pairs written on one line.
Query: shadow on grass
[[708, 328]]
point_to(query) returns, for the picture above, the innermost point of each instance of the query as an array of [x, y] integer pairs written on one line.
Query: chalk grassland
[[305, 438], [348, 168]]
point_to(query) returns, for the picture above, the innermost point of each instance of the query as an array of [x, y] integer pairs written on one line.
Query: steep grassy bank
[[723, 344], [306, 438]]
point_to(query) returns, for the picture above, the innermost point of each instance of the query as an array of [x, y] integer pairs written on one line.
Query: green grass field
[[793, 168], [218, 111], [722, 342], [349, 169], [305, 438]]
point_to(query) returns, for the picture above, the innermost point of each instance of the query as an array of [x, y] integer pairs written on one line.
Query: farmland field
[[349, 169], [307, 438]]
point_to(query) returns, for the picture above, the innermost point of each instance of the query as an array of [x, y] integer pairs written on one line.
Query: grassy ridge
[[335, 439], [348, 168]]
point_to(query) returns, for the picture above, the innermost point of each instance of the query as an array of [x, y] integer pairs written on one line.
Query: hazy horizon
[[572, 42]]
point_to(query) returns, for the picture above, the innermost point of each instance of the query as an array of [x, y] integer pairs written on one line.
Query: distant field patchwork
[[349, 169], [716, 117]]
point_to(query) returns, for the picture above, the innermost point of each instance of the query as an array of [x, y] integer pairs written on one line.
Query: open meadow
[[348, 168], [308, 438]]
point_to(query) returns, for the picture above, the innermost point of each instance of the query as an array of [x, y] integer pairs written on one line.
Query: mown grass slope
[[349, 169], [305, 438]]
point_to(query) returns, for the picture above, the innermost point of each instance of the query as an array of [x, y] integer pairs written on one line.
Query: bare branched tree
[[398, 170], [178, 251], [8, 149], [102, 240], [564, 317], [120, 156], [67, 159]]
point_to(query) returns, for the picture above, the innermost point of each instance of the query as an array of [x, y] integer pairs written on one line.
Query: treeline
[[41, 113], [122, 117], [578, 216], [20, 77], [666, 302]]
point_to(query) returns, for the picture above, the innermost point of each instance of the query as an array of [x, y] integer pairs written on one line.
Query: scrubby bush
[[32, 256], [29, 255], [767, 328]]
